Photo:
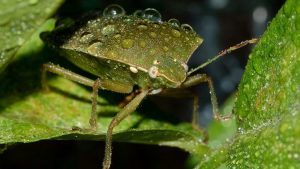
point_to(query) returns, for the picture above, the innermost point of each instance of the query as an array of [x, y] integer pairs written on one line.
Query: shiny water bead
[[138, 13], [187, 27], [174, 22], [152, 15], [113, 11]]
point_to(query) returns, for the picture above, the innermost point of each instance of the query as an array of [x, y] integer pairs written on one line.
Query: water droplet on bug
[[156, 62], [174, 22], [187, 27], [176, 33], [33, 2], [142, 27], [94, 47], [86, 37], [152, 15], [117, 36], [113, 11], [153, 34], [127, 43], [165, 48], [138, 13], [108, 30], [133, 69], [153, 72], [142, 44]]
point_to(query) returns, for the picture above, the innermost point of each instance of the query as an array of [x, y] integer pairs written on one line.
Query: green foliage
[[268, 104], [19, 20]]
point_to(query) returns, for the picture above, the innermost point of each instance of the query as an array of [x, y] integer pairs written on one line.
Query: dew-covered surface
[[267, 109], [19, 20]]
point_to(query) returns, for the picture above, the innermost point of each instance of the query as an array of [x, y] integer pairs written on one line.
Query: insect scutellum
[[124, 51]]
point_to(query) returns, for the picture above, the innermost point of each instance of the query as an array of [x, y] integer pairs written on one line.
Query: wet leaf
[[268, 105], [19, 20]]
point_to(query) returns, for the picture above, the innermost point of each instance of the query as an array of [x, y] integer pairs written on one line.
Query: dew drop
[[152, 34], [86, 37], [152, 15], [94, 47], [153, 72], [142, 27], [187, 27], [156, 62], [33, 2], [113, 11], [138, 13], [174, 22], [117, 36], [176, 33], [165, 48], [127, 43], [142, 44], [108, 30]]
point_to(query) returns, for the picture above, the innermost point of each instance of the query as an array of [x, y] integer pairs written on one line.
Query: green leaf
[[268, 105], [19, 20]]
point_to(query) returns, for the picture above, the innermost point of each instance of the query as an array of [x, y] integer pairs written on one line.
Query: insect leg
[[203, 78], [127, 110], [50, 67]]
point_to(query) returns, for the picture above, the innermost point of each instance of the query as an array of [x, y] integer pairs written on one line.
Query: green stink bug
[[124, 51]]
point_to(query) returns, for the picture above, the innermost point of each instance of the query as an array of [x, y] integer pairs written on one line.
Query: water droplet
[[165, 48], [153, 34], [187, 27], [142, 27], [117, 36], [152, 15], [108, 30], [33, 2], [127, 43], [138, 13], [113, 11], [153, 72], [111, 54], [176, 33], [86, 37], [142, 44], [133, 69], [174, 22], [94, 47], [156, 62]]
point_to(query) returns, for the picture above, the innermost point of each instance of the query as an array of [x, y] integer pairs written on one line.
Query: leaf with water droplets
[[19, 20], [268, 105]]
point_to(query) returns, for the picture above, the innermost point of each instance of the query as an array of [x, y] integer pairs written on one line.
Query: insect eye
[[113, 11]]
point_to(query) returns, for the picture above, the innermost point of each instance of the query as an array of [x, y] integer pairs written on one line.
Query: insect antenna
[[224, 52]]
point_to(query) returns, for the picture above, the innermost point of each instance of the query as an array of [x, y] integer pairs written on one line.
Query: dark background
[[221, 23]]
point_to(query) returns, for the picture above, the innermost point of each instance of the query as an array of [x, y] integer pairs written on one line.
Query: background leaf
[[268, 105], [19, 20]]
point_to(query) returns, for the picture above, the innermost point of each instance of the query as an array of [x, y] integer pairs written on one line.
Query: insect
[[124, 51]]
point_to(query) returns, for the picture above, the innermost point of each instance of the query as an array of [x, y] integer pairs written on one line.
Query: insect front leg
[[203, 78], [95, 84], [126, 111]]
